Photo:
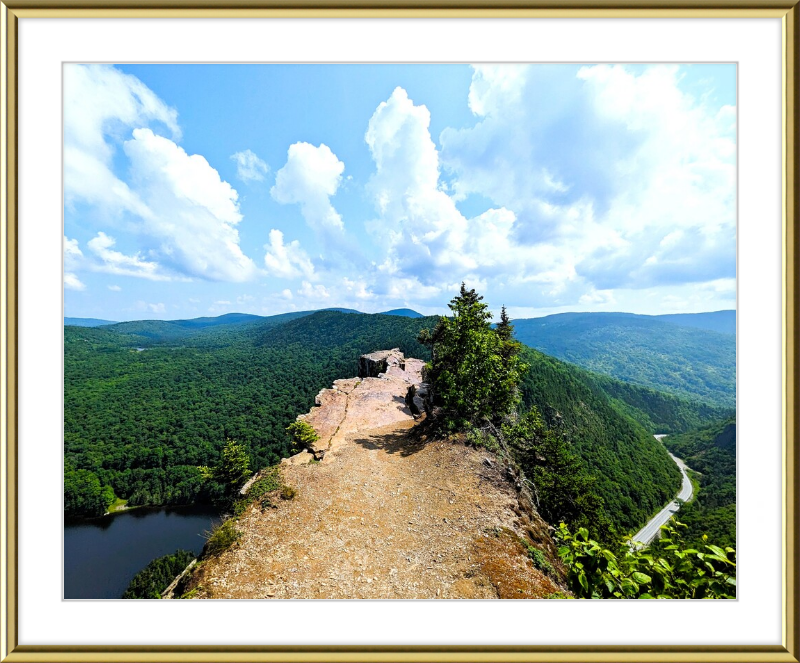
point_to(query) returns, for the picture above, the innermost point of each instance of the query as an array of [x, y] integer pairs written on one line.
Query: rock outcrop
[[375, 363], [375, 398], [387, 513]]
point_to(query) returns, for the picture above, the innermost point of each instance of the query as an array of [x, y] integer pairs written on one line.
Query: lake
[[102, 555]]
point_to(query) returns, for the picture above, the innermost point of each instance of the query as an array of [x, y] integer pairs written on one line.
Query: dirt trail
[[386, 514]]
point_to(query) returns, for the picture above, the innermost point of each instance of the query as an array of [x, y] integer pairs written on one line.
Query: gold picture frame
[[11, 11]]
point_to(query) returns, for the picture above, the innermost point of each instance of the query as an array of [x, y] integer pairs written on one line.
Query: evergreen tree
[[505, 330], [473, 371], [233, 469], [506, 393]]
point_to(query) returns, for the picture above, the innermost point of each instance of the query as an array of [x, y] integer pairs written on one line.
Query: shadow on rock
[[397, 442]]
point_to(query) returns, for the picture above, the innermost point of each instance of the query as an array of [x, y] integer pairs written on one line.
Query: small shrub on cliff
[[303, 435], [538, 558], [288, 493], [221, 537]]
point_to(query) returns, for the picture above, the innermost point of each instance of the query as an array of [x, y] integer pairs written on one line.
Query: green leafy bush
[[667, 569]]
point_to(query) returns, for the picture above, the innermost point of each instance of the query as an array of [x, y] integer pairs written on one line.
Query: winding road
[[645, 535]]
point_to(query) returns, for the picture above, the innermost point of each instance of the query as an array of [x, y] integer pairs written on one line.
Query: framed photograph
[[385, 305]]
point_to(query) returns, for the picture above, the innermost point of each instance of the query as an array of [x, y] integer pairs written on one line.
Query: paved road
[[645, 535]]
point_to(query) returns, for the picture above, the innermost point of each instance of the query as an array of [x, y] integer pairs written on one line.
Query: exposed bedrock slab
[[373, 364], [359, 404]]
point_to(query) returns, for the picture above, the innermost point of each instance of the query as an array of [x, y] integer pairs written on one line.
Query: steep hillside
[[635, 476], [686, 361], [657, 411]]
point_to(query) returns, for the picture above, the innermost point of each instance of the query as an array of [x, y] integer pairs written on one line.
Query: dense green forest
[[154, 578], [141, 421], [657, 411], [711, 452], [146, 405], [634, 476], [686, 361]]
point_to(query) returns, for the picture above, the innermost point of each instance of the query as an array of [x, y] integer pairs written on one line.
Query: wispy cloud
[[249, 168]]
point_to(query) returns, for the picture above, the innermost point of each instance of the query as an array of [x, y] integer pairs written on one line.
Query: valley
[[139, 423]]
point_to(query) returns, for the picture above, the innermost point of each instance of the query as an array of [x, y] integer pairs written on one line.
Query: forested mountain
[[689, 362], [144, 408], [142, 420], [723, 322], [711, 451], [634, 476], [86, 322], [406, 312]]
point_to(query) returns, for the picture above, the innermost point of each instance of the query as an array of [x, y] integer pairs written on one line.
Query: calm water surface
[[101, 556]]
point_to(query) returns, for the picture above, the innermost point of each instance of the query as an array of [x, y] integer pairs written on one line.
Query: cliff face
[[386, 513]]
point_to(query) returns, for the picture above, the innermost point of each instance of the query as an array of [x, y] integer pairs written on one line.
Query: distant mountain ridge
[[227, 319], [723, 322], [404, 312], [677, 357], [86, 322]]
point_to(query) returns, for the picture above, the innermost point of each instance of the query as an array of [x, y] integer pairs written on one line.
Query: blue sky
[[195, 190]]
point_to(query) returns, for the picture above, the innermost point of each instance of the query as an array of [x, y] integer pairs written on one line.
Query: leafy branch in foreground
[[665, 570]]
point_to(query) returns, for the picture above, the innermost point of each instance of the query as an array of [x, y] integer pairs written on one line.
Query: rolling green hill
[[686, 361], [141, 419], [405, 312]]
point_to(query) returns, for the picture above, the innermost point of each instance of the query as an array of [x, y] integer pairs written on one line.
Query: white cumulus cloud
[[286, 261], [102, 103], [195, 212], [116, 262], [178, 209], [617, 178], [310, 178], [72, 282]]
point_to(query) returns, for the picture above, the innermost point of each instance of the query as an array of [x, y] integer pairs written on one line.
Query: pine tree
[[473, 371], [232, 471], [505, 330]]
